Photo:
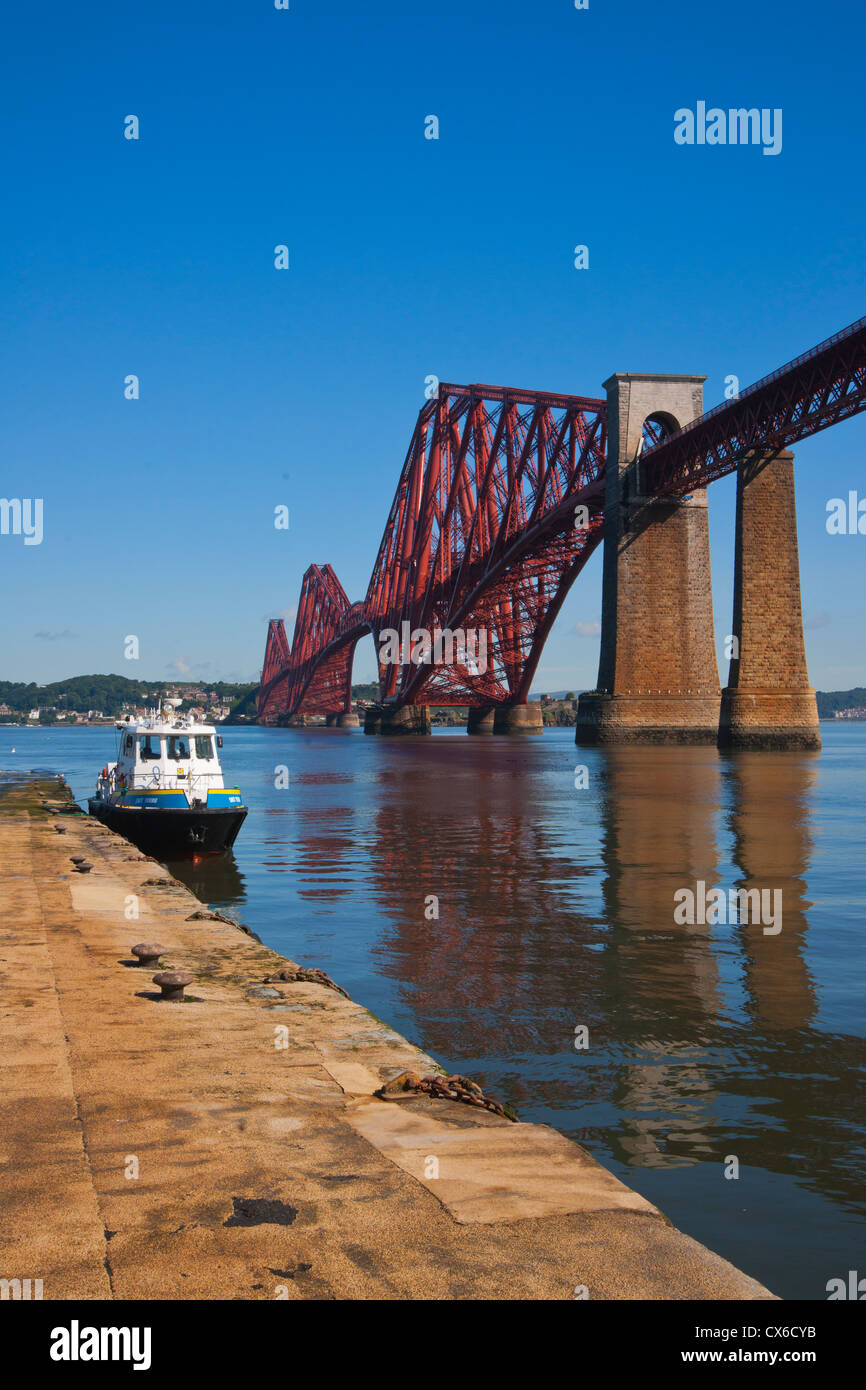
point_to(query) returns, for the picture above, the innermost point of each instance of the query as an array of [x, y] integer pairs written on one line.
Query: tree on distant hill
[[831, 700], [104, 692], [244, 708]]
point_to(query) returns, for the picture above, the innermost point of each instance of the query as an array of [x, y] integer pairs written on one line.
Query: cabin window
[[128, 744], [178, 749], [204, 747], [149, 748]]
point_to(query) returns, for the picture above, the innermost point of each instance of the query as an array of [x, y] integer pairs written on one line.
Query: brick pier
[[768, 702], [658, 680]]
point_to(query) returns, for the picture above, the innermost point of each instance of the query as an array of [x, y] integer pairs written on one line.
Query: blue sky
[[409, 257]]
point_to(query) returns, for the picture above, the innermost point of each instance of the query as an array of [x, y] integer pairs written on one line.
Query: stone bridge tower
[[658, 679], [768, 702]]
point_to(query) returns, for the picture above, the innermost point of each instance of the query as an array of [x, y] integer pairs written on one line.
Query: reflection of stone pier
[[659, 836], [665, 989], [772, 845]]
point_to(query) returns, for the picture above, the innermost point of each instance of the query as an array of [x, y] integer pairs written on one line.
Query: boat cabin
[[165, 793], [166, 754]]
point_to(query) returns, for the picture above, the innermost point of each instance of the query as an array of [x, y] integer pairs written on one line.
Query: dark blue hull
[[172, 832]]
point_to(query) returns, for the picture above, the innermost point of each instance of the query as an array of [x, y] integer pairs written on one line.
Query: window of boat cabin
[[204, 747], [129, 745], [178, 748], [149, 748]]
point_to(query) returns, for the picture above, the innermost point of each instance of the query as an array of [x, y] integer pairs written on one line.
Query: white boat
[[165, 791]]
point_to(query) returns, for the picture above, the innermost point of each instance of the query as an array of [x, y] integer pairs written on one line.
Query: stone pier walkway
[[231, 1147]]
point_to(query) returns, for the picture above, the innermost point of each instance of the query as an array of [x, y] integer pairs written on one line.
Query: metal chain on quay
[[454, 1087]]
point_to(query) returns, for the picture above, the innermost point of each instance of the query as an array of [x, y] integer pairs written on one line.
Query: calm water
[[556, 911]]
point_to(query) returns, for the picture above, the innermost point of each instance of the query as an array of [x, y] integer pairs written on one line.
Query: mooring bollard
[[172, 983], [149, 952]]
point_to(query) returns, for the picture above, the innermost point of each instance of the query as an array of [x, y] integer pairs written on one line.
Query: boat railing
[[196, 784], [157, 780]]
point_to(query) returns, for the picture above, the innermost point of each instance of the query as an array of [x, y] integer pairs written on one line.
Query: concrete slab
[[494, 1174], [353, 1078]]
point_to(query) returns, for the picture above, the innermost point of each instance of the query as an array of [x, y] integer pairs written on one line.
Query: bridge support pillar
[[518, 719], [768, 702], [347, 720], [480, 719], [398, 719], [331, 721], [658, 680], [406, 719]]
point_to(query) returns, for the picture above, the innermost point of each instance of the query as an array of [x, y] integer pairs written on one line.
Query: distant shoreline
[[562, 723]]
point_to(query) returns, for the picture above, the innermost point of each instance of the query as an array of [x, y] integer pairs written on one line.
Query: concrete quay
[[231, 1147]]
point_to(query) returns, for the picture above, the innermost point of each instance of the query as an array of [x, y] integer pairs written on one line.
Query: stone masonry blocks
[[658, 678], [768, 702]]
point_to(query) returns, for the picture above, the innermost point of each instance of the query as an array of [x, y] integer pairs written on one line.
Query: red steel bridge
[[499, 505]]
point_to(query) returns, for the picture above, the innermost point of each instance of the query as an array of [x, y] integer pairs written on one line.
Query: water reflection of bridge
[[556, 908], [680, 992]]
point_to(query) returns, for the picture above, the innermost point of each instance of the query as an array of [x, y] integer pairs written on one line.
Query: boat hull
[[172, 831]]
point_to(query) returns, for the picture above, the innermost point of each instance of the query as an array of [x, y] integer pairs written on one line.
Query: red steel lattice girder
[[481, 533], [273, 690], [319, 679], [817, 389]]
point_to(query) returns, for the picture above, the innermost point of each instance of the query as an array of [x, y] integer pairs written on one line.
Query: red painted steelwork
[[823, 386], [273, 691], [480, 535], [482, 531]]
